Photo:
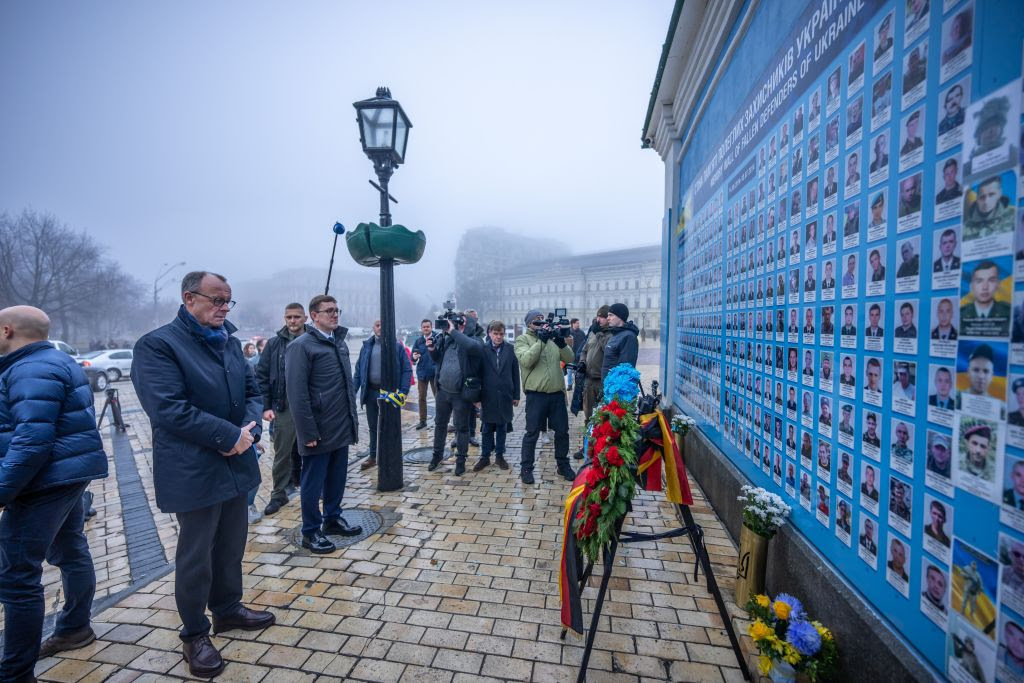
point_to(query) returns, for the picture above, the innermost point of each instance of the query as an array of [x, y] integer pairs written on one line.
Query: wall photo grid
[[849, 280]]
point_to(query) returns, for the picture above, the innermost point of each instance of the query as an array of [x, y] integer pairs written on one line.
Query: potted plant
[[763, 514], [788, 642], [681, 425]]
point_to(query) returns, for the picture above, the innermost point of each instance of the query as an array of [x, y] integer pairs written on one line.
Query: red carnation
[[600, 443], [593, 477], [605, 492], [595, 509], [613, 457]]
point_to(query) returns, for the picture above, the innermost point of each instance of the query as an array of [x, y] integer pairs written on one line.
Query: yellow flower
[[781, 609], [760, 630], [791, 655], [764, 665], [762, 600], [822, 631]]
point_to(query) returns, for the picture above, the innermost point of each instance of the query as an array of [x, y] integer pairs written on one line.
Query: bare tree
[[46, 264]]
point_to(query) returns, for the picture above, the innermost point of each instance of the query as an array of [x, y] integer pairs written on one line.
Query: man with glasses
[[323, 400], [205, 410]]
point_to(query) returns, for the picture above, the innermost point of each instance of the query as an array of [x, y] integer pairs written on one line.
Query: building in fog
[[486, 251], [582, 283]]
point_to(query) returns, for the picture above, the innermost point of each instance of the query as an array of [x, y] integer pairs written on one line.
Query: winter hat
[[620, 310], [603, 311], [532, 315]]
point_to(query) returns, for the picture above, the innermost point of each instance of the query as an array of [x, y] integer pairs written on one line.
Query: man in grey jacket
[[323, 401]]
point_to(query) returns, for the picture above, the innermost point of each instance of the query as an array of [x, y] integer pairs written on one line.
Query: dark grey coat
[[500, 378], [321, 392], [197, 400]]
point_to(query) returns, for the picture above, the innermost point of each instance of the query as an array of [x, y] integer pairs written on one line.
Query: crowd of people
[[207, 400]]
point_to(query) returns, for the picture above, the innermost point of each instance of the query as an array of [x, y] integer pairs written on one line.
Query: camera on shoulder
[[556, 324], [449, 317]]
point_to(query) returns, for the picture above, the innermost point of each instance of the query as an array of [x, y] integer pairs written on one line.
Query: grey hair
[[191, 281]]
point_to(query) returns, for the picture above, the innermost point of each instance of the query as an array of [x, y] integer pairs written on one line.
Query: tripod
[[114, 403]]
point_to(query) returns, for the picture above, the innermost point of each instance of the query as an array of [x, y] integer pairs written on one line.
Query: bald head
[[22, 325]]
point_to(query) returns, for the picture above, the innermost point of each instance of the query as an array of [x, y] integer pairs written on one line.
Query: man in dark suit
[[848, 329], [947, 260], [873, 329], [828, 281], [944, 328], [943, 384], [205, 409], [50, 451], [322, 394], [499, 394]]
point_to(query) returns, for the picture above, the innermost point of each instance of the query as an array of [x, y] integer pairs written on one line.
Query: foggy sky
[[223, 134]]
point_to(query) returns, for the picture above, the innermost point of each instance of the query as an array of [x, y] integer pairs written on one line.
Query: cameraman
[[541, 365], [458, 359]]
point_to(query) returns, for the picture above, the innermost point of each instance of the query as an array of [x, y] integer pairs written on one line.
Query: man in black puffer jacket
[[49, 452], [622, 346]]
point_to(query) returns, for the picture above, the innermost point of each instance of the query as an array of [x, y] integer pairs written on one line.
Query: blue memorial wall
[[847, 266]]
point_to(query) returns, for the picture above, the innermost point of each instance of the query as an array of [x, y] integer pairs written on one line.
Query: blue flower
[[804, 637], [622, 382], [796, 609]]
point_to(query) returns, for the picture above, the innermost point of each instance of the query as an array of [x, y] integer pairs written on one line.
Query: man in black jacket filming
[[458, 386]]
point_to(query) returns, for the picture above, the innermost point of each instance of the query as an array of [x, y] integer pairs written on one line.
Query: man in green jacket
[[541, 353]]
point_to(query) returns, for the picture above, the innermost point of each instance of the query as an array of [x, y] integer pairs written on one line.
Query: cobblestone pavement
[[460, 584]]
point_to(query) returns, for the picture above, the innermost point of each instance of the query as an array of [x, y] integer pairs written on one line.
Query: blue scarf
[[216, 337]]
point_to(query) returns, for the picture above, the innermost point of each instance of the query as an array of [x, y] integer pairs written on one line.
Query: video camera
[[450, 316], [554, 325]]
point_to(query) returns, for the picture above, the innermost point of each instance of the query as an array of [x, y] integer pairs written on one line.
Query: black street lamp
[[384, 132]]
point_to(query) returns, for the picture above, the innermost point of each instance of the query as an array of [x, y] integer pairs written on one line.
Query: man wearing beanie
[[622, 347], [541, 354]]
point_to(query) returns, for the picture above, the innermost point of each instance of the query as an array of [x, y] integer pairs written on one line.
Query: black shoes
[[473, 442], [566, 472], [460, 466], [243, 619], [578, 454], [273, 506], [435, 462], [339, 527], [69, 641], [318, 543], [480, 464], [527, 477], [499, 460], [421, 425], [202, 657], [368, 463]]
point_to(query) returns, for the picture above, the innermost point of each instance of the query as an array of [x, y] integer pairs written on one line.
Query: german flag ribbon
[[570, 569], [659, 449]]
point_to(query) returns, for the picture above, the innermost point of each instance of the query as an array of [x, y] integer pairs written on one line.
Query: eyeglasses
[[329, 311], [217, 301]]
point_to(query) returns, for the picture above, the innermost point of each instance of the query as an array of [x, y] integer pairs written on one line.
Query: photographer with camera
[[458, 377], [541, 350]]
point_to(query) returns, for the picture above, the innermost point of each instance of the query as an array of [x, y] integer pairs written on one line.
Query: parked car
[[98, 378], [117, 363]]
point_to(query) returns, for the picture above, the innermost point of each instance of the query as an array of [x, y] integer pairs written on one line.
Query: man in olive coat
[[204, 406], [323, 400]]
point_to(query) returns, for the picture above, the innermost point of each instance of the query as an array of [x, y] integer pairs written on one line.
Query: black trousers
[[451, 406], [208, 563], [372, 413], [545, 411]]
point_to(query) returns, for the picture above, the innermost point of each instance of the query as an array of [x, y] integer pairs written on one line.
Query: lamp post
[[383, 133], [164, 272]]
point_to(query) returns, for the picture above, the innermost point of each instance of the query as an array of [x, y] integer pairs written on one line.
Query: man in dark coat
[[367, 382], [474, 330], [49, 451], [323, 400], [271, 378], [500, 394], [457, 357], [622, 347], [204, 406], [426, 371]]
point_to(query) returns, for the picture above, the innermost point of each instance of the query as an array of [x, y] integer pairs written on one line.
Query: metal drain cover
[[369, 520], [418, 455]]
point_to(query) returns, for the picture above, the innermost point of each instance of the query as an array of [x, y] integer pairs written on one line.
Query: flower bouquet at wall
[[788, 641], [763, 514]]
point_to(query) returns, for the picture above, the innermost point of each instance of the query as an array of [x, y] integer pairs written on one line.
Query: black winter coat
[[500, 383], [469, 350], [622, 347], [321, 392], [197, 400], [270, 372], [48, 433]]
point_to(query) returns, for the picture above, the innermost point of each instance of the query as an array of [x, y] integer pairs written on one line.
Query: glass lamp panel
[[378, 127], [401, 135]]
